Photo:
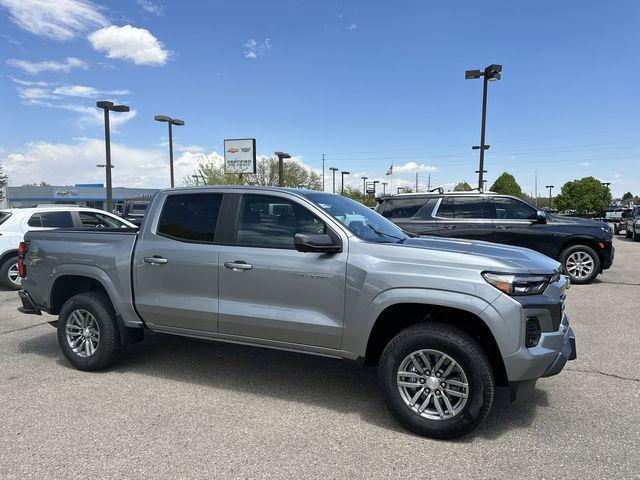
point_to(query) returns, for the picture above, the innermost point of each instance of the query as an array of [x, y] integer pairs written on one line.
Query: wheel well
[[398, 317], [67, 286], [583, 241], [7, 255]]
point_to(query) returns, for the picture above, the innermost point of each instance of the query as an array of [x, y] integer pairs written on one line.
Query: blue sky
[[367, 83]]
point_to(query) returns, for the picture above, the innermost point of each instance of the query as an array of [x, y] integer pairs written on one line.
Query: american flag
[[390, 171]]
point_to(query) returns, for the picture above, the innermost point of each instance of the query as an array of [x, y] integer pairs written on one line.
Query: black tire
[[4, 273], [465, 351], [567, 252], [627, 233], [616, 229], [634, 235], [109, 347]]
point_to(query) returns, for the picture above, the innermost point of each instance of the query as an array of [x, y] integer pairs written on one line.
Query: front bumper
[[547, 358]]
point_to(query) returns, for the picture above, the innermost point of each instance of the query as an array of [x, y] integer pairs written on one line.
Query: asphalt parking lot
[[175, 407]]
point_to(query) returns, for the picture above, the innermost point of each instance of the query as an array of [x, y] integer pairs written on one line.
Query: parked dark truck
[[584, 247], [446, 321]]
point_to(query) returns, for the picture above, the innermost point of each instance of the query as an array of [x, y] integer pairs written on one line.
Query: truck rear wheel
[[9, 276], [436, 380], [88, 333]]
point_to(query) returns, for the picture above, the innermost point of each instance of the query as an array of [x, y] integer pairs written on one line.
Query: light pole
[[364, 185], [490, 74], [375, 182], [342, 184], [550, 187], [333, 173], [109, 106], [606, 184], [171, 122], [384, 187], [399, 188], [281, 156]]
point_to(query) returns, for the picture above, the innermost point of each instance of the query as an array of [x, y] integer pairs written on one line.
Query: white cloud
[[255, 49], [29, 83], [130, 43], [585, 164], [54, 19], [85, 92], [90, 116], [353, 26], [68, 163], [150, 7], [33, 93], [617, 176], [34, 68], [410, 167]]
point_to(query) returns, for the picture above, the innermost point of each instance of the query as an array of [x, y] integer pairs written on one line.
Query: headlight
[[638, 222], [520, 284]]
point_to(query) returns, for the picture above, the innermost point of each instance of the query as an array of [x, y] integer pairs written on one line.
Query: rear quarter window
[[4, 216]]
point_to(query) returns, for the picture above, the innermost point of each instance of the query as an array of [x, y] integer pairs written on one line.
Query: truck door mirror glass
[[541, 216], [315, 242]]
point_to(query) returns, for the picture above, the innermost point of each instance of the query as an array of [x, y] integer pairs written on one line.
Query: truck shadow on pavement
[[327, 383]]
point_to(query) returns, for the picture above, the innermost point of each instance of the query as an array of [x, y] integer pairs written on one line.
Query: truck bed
[[103, 254]]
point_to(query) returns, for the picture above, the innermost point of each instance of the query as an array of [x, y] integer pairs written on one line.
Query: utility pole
[[416, 182], [536, 187], [429, 183], [333, 172], [364, 185], [384, 187], [550, 187], [323, 172]]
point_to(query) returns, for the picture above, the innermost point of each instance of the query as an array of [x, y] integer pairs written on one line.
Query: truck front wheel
[[87, 331], [436, 380]]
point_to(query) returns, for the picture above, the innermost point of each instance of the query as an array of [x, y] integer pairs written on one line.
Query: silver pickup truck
[[446, 321]]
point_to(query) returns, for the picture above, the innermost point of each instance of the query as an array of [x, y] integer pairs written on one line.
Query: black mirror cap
[[315, 242], [542, 217]]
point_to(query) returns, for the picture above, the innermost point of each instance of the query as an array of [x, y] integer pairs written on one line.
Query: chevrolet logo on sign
[[233, 150]]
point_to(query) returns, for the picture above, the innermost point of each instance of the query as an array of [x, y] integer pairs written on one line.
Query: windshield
[[363, 222]]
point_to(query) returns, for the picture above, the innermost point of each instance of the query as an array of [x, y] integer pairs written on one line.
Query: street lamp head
[[105, 105], [120, 108], [345, 173], [175, 121], [492, 72], [162, 118], [282, 155], [471, 74], [334, 169]]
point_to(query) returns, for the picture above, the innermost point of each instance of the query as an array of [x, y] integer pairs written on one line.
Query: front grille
[[533, 332]]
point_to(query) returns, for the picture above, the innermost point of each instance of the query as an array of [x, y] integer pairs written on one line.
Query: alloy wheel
[[83, 333], [14, 274], [580, 265], [432, 384]]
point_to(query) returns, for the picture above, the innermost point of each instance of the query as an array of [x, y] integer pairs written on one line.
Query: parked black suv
[[584, 247], [631, 224]]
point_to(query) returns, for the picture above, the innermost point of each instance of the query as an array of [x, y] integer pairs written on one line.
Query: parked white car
[[15, 222]]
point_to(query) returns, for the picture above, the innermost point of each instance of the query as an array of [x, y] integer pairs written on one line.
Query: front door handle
[[155, 260], [238, 266], [449, 227], [502, 227]]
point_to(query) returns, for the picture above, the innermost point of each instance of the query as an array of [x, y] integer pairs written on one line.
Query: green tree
[[295, 175], [627, 197], [356, 194], [583, 196], [462, 187], [507, 185]]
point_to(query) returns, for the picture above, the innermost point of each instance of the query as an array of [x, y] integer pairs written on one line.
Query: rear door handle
[[502, 227], [449, 227], [238, 266], [155, 260]]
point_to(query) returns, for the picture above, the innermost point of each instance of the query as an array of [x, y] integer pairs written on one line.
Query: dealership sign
[[240, 155]]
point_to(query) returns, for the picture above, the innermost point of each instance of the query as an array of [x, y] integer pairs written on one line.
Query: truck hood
[[486, 255], [583, 222]]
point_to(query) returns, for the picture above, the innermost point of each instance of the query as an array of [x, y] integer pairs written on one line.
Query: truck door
[[269, 290], [464, 216], [176, 263]]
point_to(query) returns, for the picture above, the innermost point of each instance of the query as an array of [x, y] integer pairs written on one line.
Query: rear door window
[[51, 220], [190, 217], [99, 220], [469, 207]]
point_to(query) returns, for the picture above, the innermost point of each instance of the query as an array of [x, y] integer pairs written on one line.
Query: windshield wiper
[[382, 234]]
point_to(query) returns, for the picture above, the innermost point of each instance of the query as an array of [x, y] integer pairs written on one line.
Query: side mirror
[[541, 216], [315, 242]]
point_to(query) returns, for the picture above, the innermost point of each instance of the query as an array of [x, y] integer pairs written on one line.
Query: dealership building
[[92, 195]]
